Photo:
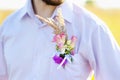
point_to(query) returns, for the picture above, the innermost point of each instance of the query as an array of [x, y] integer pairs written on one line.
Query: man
[[26, 47]]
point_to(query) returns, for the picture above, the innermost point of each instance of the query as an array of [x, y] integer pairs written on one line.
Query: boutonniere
[[64, 46]]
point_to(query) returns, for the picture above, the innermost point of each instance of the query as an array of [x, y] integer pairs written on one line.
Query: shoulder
[[15, 16], [87, 17], [11, 22], [87, 22]]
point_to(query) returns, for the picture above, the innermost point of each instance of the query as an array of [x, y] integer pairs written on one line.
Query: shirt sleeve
[[105, 54], [3, 70]]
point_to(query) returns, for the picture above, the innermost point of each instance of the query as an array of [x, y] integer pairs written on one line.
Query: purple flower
[[59, 59]]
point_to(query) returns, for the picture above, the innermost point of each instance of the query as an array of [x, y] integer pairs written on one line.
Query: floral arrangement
[[64, 46]]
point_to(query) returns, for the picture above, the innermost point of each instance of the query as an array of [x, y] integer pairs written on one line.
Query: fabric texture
[[26, 47]]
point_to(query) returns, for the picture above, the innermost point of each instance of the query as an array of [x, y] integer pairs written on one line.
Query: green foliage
[[90, 2]]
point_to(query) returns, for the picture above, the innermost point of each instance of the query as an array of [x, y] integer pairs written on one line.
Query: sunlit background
[[107, 10], [14, 4]]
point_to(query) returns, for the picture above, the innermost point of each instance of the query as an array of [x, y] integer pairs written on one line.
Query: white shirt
[[26, 47]]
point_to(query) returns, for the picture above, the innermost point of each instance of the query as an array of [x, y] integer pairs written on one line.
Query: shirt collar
[[67, 10], [66, 7]]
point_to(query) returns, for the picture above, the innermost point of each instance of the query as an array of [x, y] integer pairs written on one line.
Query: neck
[[42, 9]]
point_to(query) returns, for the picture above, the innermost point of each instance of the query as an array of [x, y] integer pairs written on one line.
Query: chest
[[30, 52]]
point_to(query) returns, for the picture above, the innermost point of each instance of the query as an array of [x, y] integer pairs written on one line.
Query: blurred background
[[107, 10]]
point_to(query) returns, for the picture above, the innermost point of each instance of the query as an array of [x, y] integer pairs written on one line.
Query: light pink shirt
[[26, 47]]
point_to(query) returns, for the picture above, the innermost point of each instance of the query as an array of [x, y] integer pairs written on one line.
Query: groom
[[26, 47]]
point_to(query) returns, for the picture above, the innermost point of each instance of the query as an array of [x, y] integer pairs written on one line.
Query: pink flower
[[59, 39], [56, 38], [63, 37], [72, 52], [73, 41]]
